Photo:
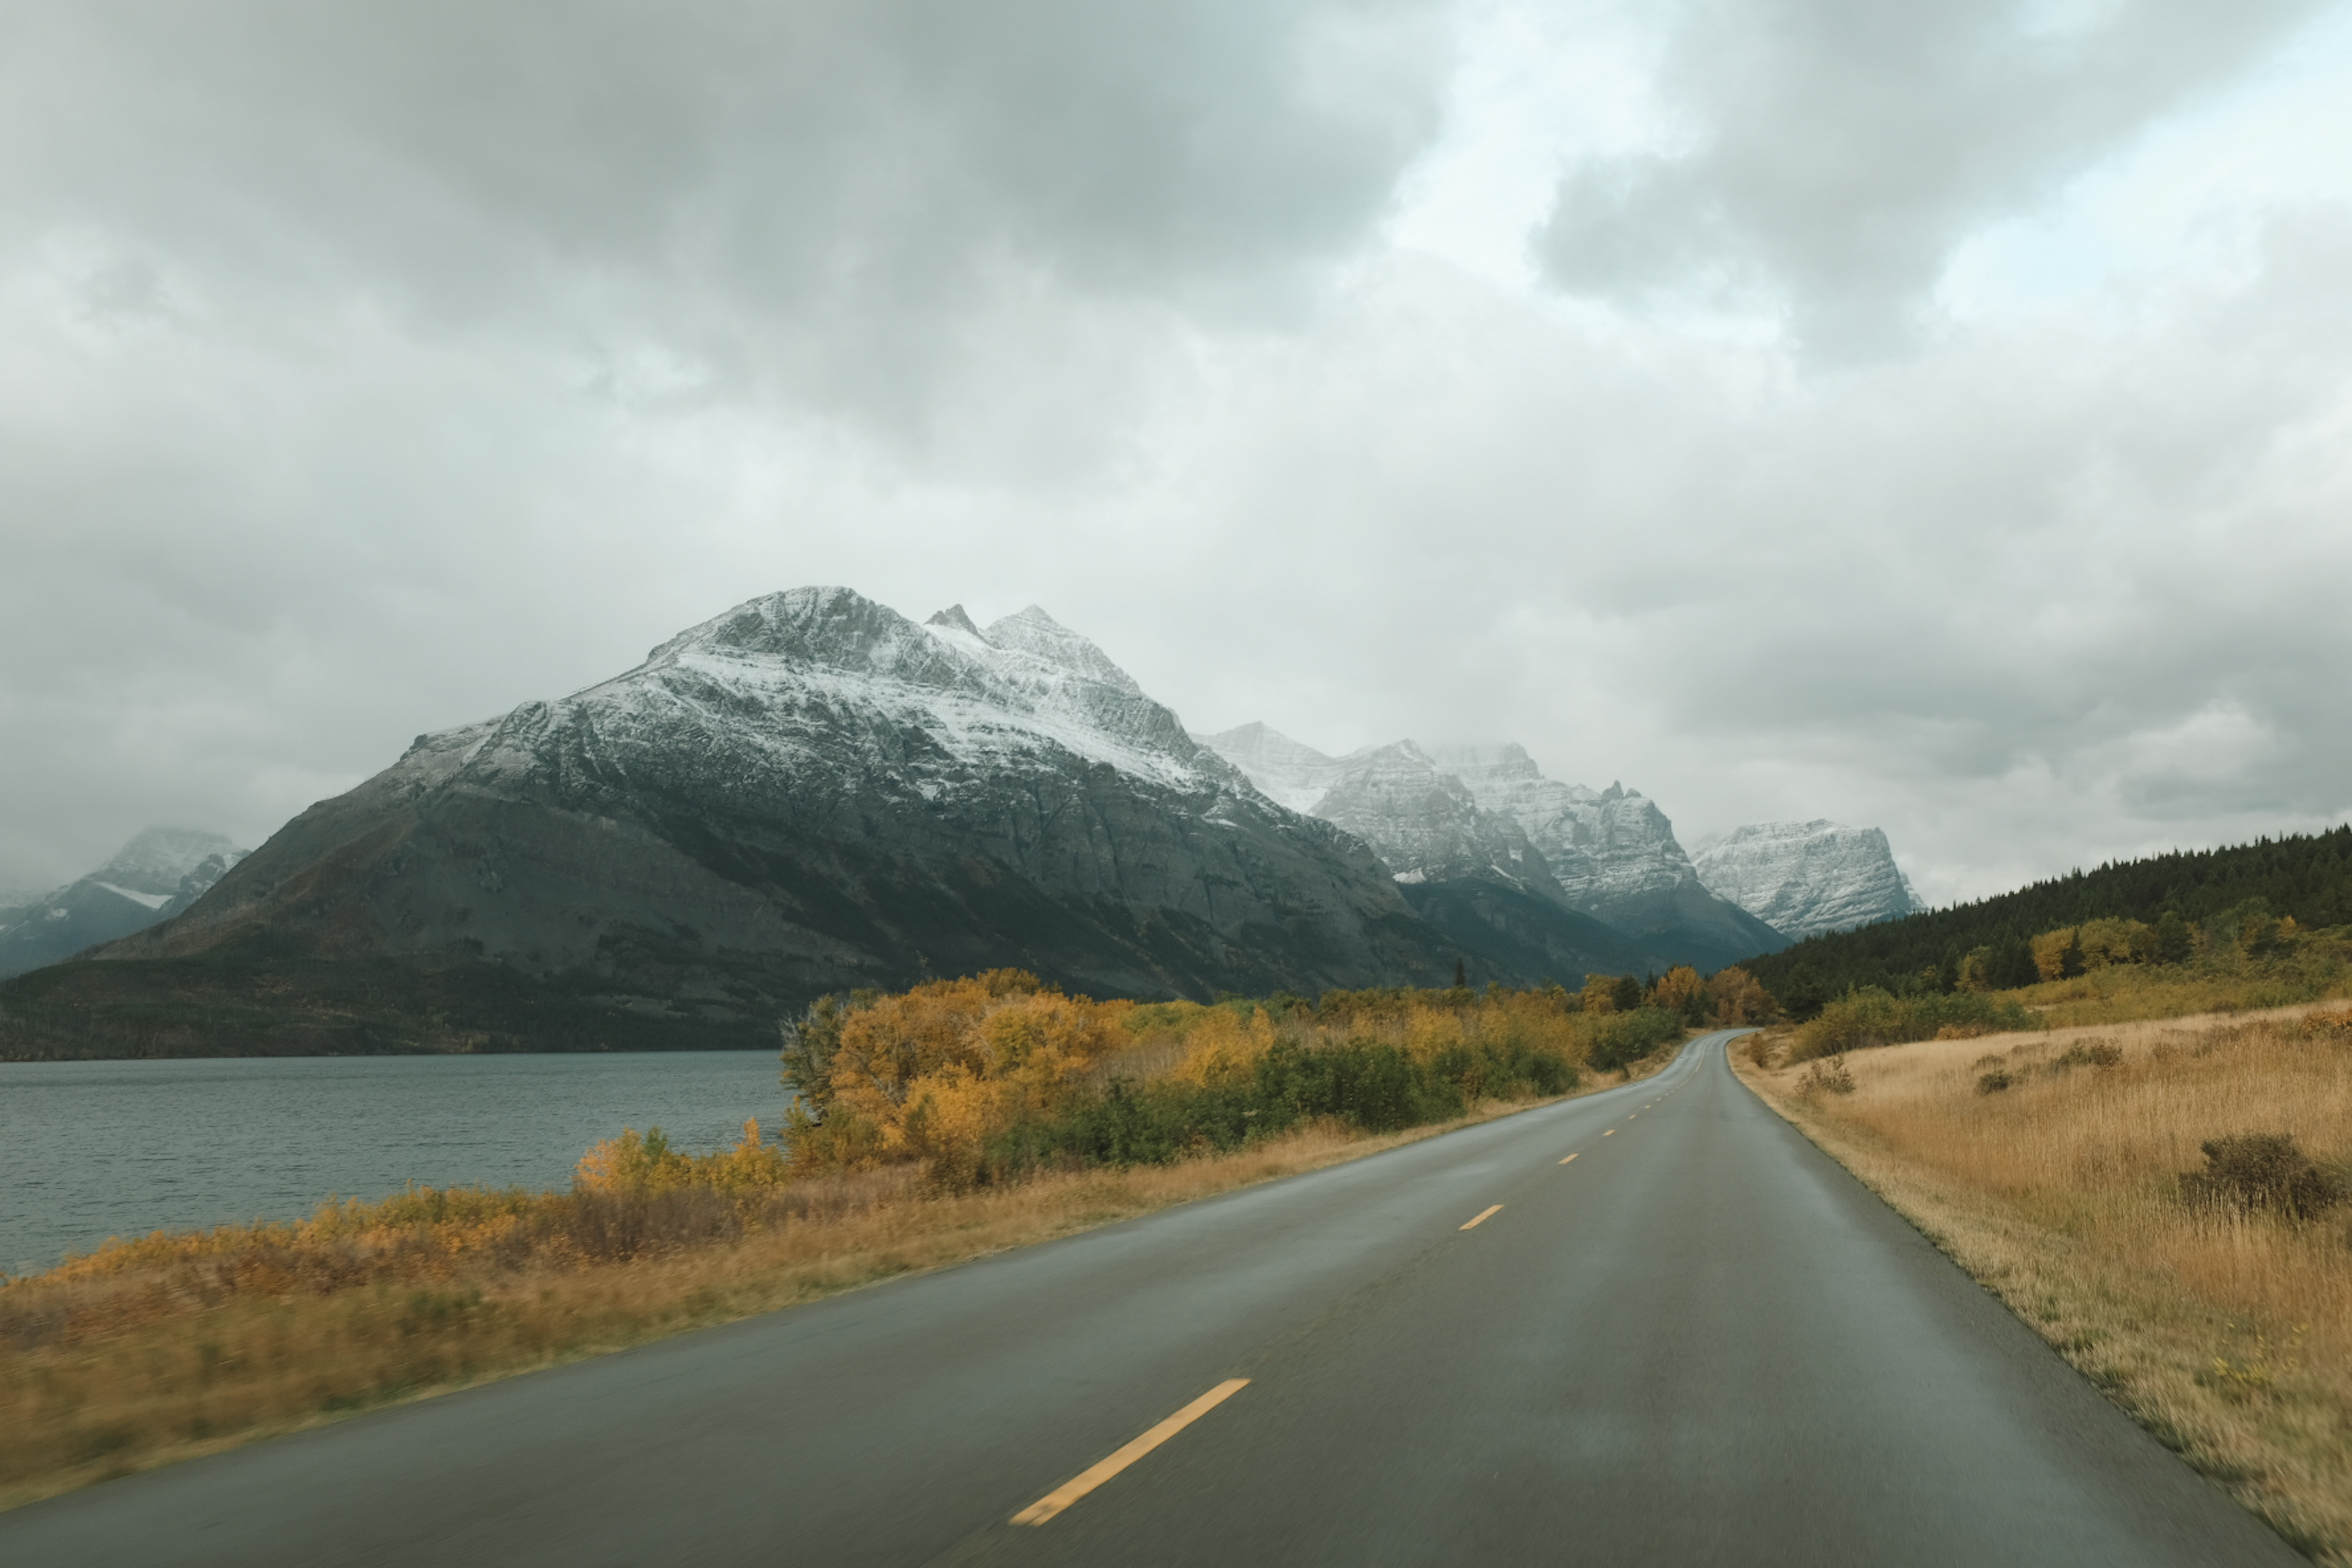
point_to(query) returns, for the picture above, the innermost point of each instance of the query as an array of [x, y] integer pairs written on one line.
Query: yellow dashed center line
[[1482, 1218], [1610, 1134], [1569, 1157], [1086, 1480]]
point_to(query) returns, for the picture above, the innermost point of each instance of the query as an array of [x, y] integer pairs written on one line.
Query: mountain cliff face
[[1470, 873], [156, 875], [1807, 878], [1487, 816], [1425, 824], [812, 792], [1616, 857]]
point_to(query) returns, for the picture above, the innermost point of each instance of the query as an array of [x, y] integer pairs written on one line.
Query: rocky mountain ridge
[[1489, 814]]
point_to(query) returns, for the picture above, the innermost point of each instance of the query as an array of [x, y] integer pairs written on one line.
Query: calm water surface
[[94, 1149]]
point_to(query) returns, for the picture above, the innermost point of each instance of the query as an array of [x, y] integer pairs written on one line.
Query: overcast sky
[[1936, 416]]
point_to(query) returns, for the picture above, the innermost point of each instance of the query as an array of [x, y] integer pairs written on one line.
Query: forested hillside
[[2307, 878]]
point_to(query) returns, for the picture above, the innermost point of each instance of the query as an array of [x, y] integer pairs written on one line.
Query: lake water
[[94, 1149]]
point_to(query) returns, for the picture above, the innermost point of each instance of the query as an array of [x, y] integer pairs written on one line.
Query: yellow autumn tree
[[1680, 990], [1738, 999]]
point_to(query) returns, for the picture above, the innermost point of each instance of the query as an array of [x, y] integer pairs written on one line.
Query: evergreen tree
[[2070, 957], [2174, 940], [2012, 965]]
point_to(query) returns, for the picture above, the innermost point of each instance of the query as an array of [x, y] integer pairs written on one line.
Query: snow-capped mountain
[[1616, 856], [1423, 823], [1807, 878], [160, 873], [1469, 871], [1490, 812], [1606, 846], [813, 792]]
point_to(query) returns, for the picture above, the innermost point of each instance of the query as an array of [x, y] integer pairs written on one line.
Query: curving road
[[1698, 1340]]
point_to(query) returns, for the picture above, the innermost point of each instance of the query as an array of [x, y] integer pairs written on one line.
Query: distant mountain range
[[813, 792], [155, 876], [1562, 867]]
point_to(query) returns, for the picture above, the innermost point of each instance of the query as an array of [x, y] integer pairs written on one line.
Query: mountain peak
[[1039, 635], [954, 619], [159, 872], [156, 859]]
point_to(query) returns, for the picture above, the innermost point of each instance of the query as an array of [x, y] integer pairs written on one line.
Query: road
[[1697, 1341]]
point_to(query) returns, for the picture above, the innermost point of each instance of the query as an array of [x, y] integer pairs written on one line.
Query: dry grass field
[[182, 1345], [2067, 1171]]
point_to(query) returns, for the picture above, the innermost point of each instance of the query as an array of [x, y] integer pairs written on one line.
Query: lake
[[94, 1149]]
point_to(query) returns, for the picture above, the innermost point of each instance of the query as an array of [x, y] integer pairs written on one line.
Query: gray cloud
[[371, 371], [2058, 594], [788, 193], [1841, 150]]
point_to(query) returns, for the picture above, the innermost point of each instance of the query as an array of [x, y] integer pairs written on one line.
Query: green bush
[[1626, 1038], [1367, 1083], [1869, 1016]]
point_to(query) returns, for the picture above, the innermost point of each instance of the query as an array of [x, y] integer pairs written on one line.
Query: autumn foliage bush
[[982, 1079]]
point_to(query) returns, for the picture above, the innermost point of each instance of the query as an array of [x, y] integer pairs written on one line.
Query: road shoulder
[[2148, 1346]]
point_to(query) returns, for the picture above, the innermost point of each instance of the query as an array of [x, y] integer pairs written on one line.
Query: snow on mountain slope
[[1616, 855], [160, 873], [1606, 847], [1423, 823], [1471, 872], [1297, 775], [1807, 878]]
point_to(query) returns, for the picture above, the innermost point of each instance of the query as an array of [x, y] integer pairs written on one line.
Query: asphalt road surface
[[1697, 1341]]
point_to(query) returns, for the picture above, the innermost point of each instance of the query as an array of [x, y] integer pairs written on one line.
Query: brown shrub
[[2091, 1053], [1828, 1075], [2261, 1172]]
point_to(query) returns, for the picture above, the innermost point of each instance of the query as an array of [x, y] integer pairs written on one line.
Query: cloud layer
[[371, 369], [1837, 151]]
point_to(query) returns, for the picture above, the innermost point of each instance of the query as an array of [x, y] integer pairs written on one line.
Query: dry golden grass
[[2227, 1334], [105, 1372]]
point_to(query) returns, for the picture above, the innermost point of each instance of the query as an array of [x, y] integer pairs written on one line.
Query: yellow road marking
[[1482, 1218], [1086, 1480], [1610, 1134], [1569, 1157]]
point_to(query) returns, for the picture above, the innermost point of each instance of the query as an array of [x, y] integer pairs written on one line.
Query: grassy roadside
[[2050, 1166], [103, 1376]]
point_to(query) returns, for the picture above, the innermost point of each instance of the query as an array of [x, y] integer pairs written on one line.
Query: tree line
[[2179, 899]]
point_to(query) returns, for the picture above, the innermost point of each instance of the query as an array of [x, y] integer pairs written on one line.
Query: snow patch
[[149, 900]]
